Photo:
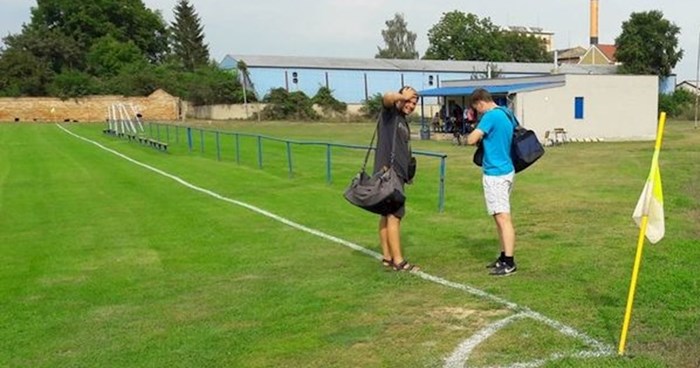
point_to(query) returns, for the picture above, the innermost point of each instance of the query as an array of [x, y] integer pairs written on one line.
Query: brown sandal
[[405, 266], [387, 262]]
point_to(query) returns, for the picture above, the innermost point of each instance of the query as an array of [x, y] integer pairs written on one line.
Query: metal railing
[[167, 133]]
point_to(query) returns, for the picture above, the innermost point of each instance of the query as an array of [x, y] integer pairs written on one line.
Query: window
[[578, 107]]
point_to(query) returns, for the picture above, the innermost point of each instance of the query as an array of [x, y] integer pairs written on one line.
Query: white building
[[585, 107]]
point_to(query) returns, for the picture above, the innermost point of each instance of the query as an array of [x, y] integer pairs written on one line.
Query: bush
[[283, 105], [678, 104], [73, 84], [324, 98], [372, 106]]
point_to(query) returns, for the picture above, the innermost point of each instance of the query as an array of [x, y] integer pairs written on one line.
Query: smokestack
[[594, 22]]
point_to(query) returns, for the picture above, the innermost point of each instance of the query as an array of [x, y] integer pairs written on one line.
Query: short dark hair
[[480, 94]]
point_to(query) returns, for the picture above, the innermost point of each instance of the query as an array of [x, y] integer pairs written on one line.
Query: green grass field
[[105, 263]]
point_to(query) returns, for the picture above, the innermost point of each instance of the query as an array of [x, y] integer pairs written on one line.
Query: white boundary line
[[600, 348], [461, 354]]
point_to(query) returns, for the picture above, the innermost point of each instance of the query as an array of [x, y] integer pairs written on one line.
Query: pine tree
[[188, 37]]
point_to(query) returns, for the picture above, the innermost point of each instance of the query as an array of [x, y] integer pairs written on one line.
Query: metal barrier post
[[238, 149], [328, 164], [289, 158], [218, 148], [201, 140], [260, 157], [441, 192]]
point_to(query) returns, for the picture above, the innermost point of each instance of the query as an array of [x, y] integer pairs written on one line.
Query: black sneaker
[[504, 270], [495, 264]]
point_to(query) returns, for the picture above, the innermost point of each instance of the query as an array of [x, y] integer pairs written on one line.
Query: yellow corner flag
[[651, 204], [649, 216]]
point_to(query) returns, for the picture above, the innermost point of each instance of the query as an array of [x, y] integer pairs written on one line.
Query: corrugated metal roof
[[307, 62], [495, 89]]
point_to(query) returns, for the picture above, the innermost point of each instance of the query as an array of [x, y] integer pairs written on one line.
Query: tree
[[648, 44], [107, 56], [188, 37], [400, 42], [460, 36], [519, 47], [86, 21]]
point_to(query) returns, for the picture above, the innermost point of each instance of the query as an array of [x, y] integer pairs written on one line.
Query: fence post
[[260, 155], [201, 140], [167, 134], [189, 138], [289, 158], [218, 148], [177, 134], [158, 132], [238, 149], [150, 130], [441, 193], [328, 164]]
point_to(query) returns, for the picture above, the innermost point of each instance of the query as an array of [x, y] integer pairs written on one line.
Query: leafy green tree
[[86, 21], [648, 44], [400, 42], [188, 37], [460, 36], [107, 56], [23, 74], [519, 47], [51, 46]]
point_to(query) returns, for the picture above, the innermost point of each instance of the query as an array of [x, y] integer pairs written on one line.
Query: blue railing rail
[[162, 132]]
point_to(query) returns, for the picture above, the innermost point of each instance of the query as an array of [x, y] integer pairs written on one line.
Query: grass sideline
[[106, 264]]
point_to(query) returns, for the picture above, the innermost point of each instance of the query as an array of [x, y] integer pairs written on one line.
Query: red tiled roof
[[608, 51]]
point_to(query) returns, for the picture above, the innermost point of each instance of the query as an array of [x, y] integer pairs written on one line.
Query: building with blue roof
[[571, 107]]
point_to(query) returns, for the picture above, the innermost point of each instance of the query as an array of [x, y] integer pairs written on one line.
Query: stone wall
[[158, 106]]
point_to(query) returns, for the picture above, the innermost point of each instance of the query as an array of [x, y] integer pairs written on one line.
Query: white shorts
[[497, 193]]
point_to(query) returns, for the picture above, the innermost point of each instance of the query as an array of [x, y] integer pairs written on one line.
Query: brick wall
[[158, 106]]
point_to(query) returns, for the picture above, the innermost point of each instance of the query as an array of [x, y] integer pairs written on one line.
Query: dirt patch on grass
[[458, 318]]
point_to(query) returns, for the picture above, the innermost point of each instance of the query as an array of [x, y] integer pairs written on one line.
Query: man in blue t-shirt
[[495, 132]]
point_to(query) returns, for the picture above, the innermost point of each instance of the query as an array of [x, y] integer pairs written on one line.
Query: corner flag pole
[[642, 234]]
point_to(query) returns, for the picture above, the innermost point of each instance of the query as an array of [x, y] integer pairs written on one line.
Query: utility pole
[[697, 84]]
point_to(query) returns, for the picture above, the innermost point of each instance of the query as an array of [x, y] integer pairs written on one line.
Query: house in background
[[691, 86], [570, 56], [587, 106], [600, 54]]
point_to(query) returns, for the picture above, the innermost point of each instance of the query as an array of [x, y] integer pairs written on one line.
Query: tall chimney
[[594, 22]]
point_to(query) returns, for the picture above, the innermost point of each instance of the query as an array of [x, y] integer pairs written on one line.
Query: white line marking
[[553, 357], [460, 355], [601, 349]]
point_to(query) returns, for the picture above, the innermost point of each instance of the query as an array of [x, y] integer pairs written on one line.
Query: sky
[[352, 28]]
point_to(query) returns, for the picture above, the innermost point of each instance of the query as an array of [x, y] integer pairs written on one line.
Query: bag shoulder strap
[[511, 116], [371, 143]]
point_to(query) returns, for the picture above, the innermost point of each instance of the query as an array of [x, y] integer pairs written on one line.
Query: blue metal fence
[[163, 132]]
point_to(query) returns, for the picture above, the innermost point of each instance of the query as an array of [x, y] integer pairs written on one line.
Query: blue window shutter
[[578, 108]]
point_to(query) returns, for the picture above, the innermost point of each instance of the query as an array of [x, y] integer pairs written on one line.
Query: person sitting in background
[[436, 122]]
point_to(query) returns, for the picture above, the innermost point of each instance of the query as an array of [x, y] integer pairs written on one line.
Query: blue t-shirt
[[498, 136]]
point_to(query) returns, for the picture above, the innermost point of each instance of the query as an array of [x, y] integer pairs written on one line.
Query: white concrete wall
[[238, 111], [616, 107]]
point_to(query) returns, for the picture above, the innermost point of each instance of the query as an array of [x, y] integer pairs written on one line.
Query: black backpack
[[524, 150]]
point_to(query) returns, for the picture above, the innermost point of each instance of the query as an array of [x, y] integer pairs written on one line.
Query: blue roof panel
[[499, 89]]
